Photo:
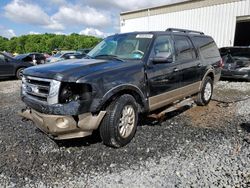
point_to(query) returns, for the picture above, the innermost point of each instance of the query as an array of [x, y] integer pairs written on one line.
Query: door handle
[[176, 70], [199, 65]]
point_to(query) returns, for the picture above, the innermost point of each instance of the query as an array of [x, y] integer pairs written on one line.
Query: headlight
[[73, 92], [54, 92]]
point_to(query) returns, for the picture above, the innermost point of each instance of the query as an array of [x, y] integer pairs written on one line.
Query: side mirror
[[162, 58]]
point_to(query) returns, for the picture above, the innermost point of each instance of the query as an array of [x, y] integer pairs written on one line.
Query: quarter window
[[207, 47]]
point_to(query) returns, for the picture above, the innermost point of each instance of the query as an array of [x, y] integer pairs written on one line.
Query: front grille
[[36, 88]]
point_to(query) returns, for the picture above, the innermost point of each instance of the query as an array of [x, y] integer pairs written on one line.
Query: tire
[[206, 93], [19, 73], [113, 132]]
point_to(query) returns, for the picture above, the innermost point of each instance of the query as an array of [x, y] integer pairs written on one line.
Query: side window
[[39, 57], [184, 49], [207, 47], [162, 46], [2, 59], [27, 59]]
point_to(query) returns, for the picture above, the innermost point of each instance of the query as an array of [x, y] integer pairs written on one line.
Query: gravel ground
[[193, 147]]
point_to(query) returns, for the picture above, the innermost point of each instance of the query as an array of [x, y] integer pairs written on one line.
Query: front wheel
[[19, 73], [205, 95], [119, 124]]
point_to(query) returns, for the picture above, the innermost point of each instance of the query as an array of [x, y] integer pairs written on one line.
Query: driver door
[[163, 77], [6, 67]]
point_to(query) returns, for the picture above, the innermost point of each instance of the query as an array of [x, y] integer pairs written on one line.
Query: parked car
[[84, 51], [74, 56], [59, 56], [34, 58], [125, 75], [12, 67], [237, 62]]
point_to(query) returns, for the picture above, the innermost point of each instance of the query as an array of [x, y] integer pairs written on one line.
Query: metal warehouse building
[[227, 21]]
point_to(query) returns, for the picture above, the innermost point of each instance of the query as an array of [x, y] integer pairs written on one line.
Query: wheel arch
[[121, 90], [210, 73]]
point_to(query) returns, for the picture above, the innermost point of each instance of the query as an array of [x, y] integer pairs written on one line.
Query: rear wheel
[[119, 124], [205, 95], [19, 73]]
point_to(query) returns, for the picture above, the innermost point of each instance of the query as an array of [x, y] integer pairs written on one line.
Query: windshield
[[124, 46]]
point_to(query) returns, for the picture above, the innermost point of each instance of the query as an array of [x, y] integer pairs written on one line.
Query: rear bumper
[[235, 74], [64, 127]]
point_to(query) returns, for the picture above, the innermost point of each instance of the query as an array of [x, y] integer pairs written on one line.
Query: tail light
[[221, 64]]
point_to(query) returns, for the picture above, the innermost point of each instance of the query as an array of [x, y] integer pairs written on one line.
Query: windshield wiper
[[108, 57]]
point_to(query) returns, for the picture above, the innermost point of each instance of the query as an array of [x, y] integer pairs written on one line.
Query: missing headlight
[[73, 92]]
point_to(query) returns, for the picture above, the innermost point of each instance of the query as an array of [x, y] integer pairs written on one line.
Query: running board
[[176, 106]]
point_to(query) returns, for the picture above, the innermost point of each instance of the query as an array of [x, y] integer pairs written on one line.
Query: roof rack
[[184, 31]]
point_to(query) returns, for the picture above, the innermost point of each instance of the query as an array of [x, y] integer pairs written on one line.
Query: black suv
[[124, 75], [10, 66]]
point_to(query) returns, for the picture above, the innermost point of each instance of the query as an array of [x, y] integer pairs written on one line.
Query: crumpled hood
[[72, 70]]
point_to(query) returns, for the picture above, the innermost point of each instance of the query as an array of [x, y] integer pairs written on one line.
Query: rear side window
[[184, 48], [207, 47]]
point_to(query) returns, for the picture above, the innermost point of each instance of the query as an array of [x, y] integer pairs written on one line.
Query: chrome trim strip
[[43, 95], [33, 98], [38, 79], [37, 85]]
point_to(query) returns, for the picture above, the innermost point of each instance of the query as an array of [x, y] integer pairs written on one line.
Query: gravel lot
[[193, 147]]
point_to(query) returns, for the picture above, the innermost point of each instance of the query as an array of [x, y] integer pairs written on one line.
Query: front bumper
[[64, 127], [73, 108]]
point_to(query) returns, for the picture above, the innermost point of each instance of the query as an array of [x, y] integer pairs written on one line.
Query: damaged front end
[[64, 127], [59, 109]]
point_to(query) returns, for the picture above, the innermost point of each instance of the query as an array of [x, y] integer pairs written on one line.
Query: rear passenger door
[[187, 57]]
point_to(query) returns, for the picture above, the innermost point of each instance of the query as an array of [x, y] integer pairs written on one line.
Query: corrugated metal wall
[[219, 21]]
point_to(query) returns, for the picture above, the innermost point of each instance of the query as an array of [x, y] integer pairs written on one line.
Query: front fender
[[136, 92]]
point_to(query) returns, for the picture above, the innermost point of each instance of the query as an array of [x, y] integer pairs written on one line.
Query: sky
[[89, 17]]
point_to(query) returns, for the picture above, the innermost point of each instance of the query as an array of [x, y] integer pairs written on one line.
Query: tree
[[47, 43]]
